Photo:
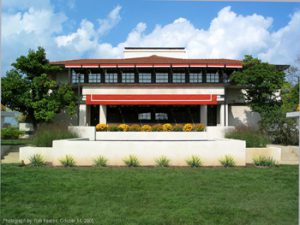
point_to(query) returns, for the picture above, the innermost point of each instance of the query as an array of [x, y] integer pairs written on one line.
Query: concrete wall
[[272, 152], [26, 152], [84, 152], [239, 115], [84, 132]]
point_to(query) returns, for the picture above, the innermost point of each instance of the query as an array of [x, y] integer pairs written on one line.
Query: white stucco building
[[157, 85]]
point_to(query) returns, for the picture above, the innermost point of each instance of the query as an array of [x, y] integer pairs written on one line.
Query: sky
[[73, 29]]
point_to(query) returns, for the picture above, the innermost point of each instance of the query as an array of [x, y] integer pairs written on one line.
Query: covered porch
[[153, 109]]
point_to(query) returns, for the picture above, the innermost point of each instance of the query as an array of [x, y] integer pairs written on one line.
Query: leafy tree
[[267, 93], [27, 88], [262, 83]]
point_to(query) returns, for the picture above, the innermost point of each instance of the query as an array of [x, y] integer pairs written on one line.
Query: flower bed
[[167, 127]]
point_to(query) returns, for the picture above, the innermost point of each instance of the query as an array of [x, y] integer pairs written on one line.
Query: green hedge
[[253, 137], [10, 133]]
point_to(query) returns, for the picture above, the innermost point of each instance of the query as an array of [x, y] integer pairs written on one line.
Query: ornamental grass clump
[[123, 127], [134, 127], [37, 160], [178, 127], [199, 127], [163, 161], [68, 161], [167, 127], [157, 127], [188, 127], [100, 161], [146, 128], [194, 161], [132, 161], [253, 138], [101, 127], [264, 161], [227, 161], [46, 133]]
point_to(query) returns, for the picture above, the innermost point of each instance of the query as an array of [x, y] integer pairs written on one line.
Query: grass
[[112, 195]]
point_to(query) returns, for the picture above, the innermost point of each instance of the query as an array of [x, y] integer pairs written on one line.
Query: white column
[[102, 114], [203, 114], [82, 115], [226, 115], [222, 116]]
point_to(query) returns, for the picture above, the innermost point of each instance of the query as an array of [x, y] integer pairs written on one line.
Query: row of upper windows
[[147, 78]]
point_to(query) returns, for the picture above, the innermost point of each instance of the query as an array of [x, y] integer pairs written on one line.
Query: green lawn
[[212, 196], [15, 142]]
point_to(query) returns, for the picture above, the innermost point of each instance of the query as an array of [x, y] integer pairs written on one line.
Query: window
[[195, 77], [144, 116], [161, 116], [94, 78], [178, 77], [212, 77], [144, 77], [75, 77], [127, 77], [111, 78], [161, 77]]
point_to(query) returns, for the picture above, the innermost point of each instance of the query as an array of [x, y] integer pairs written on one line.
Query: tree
[[27, 88], [267, 93], [262, 83]]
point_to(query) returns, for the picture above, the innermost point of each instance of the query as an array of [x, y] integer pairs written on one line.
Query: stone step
[[12, 157]]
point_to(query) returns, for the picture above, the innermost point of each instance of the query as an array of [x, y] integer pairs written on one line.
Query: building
[[157, 85]]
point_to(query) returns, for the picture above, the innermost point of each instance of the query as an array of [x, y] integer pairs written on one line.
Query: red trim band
[[164, 99]]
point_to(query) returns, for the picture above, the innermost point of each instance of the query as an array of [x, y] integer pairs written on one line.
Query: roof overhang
[[156, 65]]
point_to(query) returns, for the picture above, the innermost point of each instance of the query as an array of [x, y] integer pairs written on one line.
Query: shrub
[[134, 127], [101, 127], [199, 127], [264, 161], [68, 161], [123, 127], [228, 161], [194, 161], [146, 128], [132, 161], [113, 128], [157, 127], [187, 127], [178, 127], [37, 160], [100, 161], [167, 127], [46, 133], [10, 133], [162, 161], [253, 138]]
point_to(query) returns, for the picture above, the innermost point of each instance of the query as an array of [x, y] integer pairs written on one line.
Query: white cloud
[[229, 35]]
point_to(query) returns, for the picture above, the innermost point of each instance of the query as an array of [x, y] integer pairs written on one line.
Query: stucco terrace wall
[[178, 151], [272, 152]]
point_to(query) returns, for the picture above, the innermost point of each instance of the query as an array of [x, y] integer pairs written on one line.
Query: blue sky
[[70, 29]]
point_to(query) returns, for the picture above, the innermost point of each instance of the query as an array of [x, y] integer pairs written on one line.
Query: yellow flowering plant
[[188, 127], [123, 127], [101, 127], [199, 127], [167, 127], [146, 127]]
